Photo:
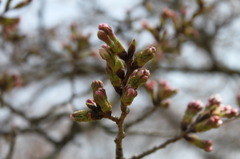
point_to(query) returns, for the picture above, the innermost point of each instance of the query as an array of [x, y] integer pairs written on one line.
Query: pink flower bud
[[138, 77], [128, 95], [165, 90], [214, 100], [100, 97], [150, 85], [105, 28], [85, 116], [143, 57], [206, 145]]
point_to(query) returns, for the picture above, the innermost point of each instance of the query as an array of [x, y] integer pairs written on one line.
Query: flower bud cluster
[[207, 118], [160, 92], [183, 28], [119, 61], [196, 119], [99, 106]]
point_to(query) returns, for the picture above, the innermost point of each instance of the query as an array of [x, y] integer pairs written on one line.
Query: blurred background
[[49, 57]]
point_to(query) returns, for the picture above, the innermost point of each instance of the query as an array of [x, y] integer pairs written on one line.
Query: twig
[[7, 6], [121, 133], [152, 133], [161, 146], [12, 144]]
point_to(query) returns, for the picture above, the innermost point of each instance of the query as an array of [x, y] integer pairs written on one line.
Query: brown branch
[[12, 138], [7, 6], [121, 133], [161, 146]]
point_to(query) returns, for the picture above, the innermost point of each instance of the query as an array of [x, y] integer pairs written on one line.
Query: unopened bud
[[101, 99], [227, 111], [96, 84], [103, 36], [143, 57], [207, 124], [115, 80], [85, 116], [206, 145], [106, 34], [138, 77], [214, 100], [92, 105], [192, 110], [114, 62], [165, 90], [104, 54], [128, 95]]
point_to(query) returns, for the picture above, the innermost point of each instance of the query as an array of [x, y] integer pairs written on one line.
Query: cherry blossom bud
[[227, 111], [143, 57], [106, 34], [206, 145], [128, 95], [96, 84], [194, 107], [115, 80], [214, 100], [101, 99], [104, 54], [103, 36], [165, 90], [85, 116], [114, 62], [207, 124], [138, 77], [92, 105]]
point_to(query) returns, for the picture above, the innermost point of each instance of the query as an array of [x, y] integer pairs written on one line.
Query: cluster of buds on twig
[[160, 92], [77, 45], [123, 68], [199, 119], [124, 71], [183, 27], [99, 106], [9, 81]]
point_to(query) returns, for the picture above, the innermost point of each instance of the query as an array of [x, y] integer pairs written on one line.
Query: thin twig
[[7, 6], [12, 145], [161, 146], [121, 133]]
